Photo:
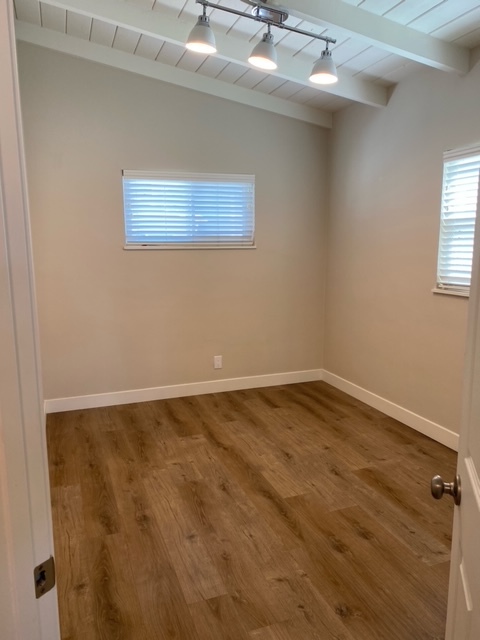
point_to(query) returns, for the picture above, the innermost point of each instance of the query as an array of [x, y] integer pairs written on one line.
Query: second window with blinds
[[458, 214], [188, 210]]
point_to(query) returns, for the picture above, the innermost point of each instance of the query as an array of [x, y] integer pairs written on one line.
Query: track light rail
[[264, 54], [259, 18]]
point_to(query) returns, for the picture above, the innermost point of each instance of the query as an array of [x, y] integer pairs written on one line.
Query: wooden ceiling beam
[[160, 25], [384, 33], [79, 48]]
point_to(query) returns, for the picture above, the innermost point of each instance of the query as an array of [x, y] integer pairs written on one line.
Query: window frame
[[443, 286], [236, 226]]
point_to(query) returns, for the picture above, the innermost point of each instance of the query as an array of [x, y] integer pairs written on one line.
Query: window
[[188, 210], [457, 222]]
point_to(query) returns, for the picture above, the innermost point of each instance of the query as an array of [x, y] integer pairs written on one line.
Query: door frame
[[26, 537]]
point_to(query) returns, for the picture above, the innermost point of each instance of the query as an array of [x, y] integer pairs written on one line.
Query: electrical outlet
[[217, 362]]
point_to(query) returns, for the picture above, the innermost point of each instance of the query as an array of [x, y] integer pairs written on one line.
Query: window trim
[[453, 289], [245, 242], [459, 293]]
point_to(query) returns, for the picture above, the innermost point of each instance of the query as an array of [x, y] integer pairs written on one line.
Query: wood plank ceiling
[[379, 42]]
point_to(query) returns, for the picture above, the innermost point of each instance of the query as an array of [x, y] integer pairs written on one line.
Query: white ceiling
[[379, 42]]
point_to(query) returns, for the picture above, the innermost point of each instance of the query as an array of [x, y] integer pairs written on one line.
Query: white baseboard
[[423, 425], [179, 390]]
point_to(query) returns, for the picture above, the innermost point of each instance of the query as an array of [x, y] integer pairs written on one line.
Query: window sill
[[452, 292], [181, 247]]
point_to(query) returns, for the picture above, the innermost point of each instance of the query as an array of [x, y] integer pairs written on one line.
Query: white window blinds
[[188, 210], [458, 213]]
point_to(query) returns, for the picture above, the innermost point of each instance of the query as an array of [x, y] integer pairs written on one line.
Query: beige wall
[[114, 320], [385, 330]]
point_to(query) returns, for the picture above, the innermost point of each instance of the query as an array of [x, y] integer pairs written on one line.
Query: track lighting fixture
[[324, 70], [264, 55], [202, 38]]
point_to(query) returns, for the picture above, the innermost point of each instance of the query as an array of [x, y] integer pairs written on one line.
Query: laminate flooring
[[285, 513]]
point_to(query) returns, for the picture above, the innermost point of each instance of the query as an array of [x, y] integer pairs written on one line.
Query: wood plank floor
[[286, 513]]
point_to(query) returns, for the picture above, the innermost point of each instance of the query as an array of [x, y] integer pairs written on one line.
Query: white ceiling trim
[[384, 33], [57, 41], [474, 56], [158, 25]]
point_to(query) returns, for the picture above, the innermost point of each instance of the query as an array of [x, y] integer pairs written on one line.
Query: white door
[[25, 518], [463, 618]]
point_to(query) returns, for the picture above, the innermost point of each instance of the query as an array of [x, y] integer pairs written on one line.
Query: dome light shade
[[202, 38], [324, 70], [264, 55]]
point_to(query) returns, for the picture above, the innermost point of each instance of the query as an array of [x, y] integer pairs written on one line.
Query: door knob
[[439, 487]]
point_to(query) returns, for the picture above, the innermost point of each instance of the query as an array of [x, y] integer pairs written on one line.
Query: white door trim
[[25, 516]]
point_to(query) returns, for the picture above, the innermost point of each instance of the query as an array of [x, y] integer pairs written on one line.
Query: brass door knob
[[454, 489]]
